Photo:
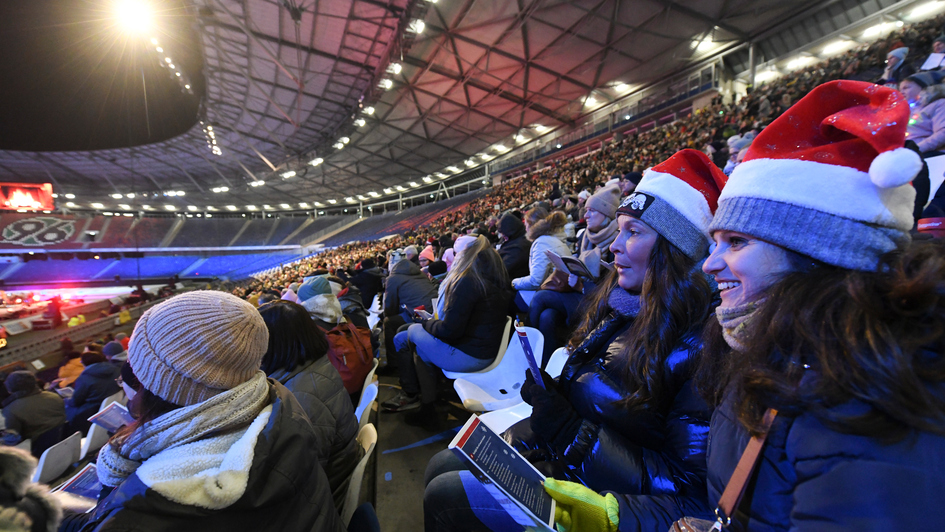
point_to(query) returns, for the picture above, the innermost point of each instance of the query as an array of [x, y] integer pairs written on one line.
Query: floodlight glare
[[134, 16]]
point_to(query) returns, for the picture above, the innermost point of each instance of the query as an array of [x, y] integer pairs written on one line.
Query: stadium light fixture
[[97, 206], [427, 179], [453, 169], [258, 183], [400, 188], [338, 146], [70, 204], [590, 101], [416, 26], [800, 62], [345, 140], [360, 122], [394, 68], [191, 207], [70, 196], [134, 16], [414, 184], [116, 196], [170, 207], [125, 207], [876, 30], [374, 194], [705, 45], [368, 110], [501, 148], [622, 87], [267, 207], [319, 204], [925, 9], [130, 195], [285, 206], [351, 200], [231, 207], [316, 161], [388, 191], [147, 207], [333, 201], [287, 175], [386, 84], [303, 205], [837, 46], [251, 207], [540, 128], [362, 197]]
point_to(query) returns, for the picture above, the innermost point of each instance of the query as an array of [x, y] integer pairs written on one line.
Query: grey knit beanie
[[829, 179], [197, 345]]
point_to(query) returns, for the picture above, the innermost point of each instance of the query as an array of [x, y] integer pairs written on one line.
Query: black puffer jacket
[[473, 321], [320, 391], [407, 285], [286, 489], [653, 461]]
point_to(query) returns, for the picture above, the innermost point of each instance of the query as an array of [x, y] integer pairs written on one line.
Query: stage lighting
[[134, 16]]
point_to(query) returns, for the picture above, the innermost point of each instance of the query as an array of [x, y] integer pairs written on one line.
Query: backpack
[[349, 350]]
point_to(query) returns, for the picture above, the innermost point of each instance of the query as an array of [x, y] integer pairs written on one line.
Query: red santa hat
[[829, 178], [677, 199]]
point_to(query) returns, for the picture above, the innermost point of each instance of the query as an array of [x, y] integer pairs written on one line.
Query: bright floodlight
[[134, 16]]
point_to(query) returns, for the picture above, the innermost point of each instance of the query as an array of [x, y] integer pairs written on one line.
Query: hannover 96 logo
[[41, 231]]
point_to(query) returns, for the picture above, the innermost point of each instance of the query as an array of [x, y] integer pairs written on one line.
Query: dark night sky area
[[70, 80]]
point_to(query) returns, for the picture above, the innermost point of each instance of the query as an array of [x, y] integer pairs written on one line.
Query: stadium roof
[[281, 82]]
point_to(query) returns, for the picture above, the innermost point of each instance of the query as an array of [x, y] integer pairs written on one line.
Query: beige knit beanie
[[197, 345], [605, 201]]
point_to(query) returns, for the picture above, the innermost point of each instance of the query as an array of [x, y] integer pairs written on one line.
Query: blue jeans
[[431, 351], [454, 500], [550, 312]]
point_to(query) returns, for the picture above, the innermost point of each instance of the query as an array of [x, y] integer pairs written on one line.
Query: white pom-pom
[[895, 168]]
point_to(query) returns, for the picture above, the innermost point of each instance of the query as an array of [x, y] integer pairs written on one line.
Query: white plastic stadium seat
[[117, 397], [367, 437], [374, 313], [57, 459], [368, 379], [503, 345], [368, 395], [96, 438], [501, 386], [500, 420]]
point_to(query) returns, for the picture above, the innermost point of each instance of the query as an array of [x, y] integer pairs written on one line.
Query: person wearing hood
[[551, 311], [96, 382], [514, 245], [317, 298], [216, 446], [25, 506], [123, 339], [369, 280], [29, 412], [546, 231], [406, 286]]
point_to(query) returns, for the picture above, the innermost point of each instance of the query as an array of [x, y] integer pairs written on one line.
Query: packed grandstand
[[132, 336]]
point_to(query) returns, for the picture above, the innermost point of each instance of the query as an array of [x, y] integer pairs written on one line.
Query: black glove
[[553, 418], [530, 385]]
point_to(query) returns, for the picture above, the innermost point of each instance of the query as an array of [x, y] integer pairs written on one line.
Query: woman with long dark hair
[[467, 335], [623, 415], [830, 336], [296, 357]]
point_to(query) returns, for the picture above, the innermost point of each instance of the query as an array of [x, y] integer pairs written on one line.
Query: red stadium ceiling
[[284, 80]]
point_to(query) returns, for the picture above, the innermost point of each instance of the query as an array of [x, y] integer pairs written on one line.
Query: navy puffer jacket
[[652, 461], [812, 478]]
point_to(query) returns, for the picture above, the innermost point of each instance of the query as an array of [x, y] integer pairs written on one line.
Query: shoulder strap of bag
[[735, 488]]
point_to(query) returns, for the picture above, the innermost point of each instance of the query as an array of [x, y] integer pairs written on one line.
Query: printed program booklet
[[496, 462], [65, 393], [112, 417], [84, 485]]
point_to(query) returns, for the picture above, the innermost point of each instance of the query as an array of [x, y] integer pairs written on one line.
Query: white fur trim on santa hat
[[838, 190], [676, 192], [895, 168]]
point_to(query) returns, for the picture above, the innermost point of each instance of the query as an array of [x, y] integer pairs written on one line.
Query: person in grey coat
[[297, 359]]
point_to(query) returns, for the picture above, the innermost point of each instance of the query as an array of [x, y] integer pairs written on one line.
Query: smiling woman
[[86, 76]]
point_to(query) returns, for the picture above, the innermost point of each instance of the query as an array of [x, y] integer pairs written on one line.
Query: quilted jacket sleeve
[[538, 266], [936, 115]]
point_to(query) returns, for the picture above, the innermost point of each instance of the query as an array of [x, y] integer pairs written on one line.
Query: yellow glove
[[580, 509]]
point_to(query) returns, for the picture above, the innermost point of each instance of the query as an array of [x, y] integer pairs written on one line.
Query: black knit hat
[[925, 79]]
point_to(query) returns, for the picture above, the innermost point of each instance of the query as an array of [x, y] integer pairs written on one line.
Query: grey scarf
[[734, 322]]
